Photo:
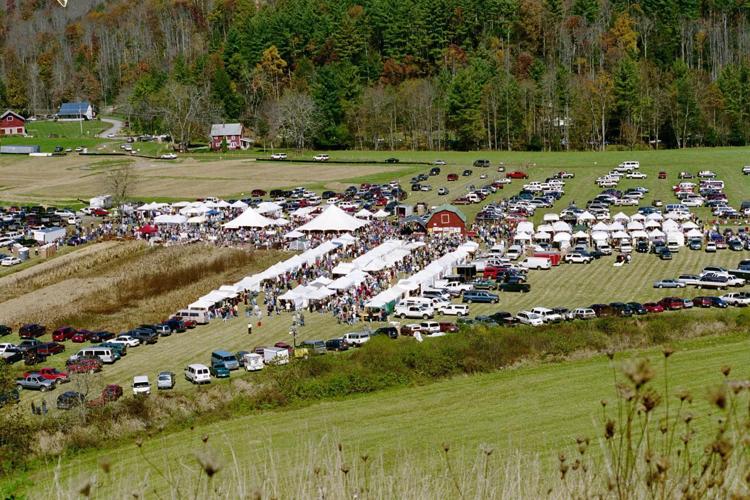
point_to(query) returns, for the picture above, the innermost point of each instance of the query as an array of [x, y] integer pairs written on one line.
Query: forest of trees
[[394, 74]]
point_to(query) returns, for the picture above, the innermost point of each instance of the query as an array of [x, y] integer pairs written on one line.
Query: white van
[[356, 338], [197, 374], [253, 362], [141, 385], [275, 356], [103, 353], [200, 316], [536, 263]]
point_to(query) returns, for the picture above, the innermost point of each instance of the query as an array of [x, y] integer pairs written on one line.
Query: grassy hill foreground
[[492, 435]]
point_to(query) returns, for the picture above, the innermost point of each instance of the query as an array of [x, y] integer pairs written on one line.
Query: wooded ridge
[[394, 74]]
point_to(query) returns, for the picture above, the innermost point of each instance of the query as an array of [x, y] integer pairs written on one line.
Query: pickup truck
[[415, 312], [35, 382], [52, 374]]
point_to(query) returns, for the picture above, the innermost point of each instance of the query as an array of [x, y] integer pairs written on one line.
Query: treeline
[[396, 74]]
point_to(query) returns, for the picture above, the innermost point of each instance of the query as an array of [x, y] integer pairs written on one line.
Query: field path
[[117, 125]]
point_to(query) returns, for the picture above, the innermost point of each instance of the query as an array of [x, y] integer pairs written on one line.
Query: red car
[[189, 323], [452, 177], [257, 193], [448, 327], [662, 175], [99, 212], [82, 336], [85, 365], [461, 201], [517, 174], [498, 185], [63, 333], [112, 392], [671, 303], [51, 374], [702, 302], [653, 307], [50, 348]]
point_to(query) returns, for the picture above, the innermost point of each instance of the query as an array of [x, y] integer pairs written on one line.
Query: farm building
[[232, 133], [12, 124], [446, 219], [76, 111]]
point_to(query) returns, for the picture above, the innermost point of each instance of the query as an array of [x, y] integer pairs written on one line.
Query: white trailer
[[102, 201], [253, 362], [275, 356], [48, 234]]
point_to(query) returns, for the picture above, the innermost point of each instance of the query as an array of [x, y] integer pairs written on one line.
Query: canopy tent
[[239, 204], [303, 212], [634, 225], [249, 218], [148, 229], [650, 224], [181, 204], [620, 235], [293, 235], [689, 225], [639, 217], [551, 217], [355, 278], [545, 228], [381, 214], [333, 219], [561, 226], [170, 219], [655, 216], [343, 268], [599, 236], [560, 237], [522, 237], [600, 226], [198, 219], [586, 217], [670, 225], [525, 227], [363, 214], [693, 234], [639, 234], [542, 236], [656, 234], [676, 237], [269, 207], [280, 222], [620, 216], [581, 235], [199, 209]]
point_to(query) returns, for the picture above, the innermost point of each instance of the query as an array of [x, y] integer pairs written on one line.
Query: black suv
[[5, 330], [337, 345], [482, 163], [31, 330], [514, 286], [389, 331]]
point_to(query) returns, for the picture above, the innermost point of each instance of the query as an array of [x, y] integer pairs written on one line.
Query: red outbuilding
[[12, 123], [446, 219]]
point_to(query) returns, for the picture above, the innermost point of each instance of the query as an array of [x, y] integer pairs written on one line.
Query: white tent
[[268, 207], [560, 237], [586, 217], [656, 233], [280, 222], [621, 217], [303, 212], [616, 226], [333, 219], [635, 225], [381, 214], [551, 217], [651, 224], [694, 233], [581, 235], [561, 226], [690, 225], [542, 236], [599, 236], [522, 237], [293, 235], [239, 204], [198, 219], [669, 226], [600, 226], [620, 235], [676, 237], [638, 234], [249, 218], [525, 227], [364, 214], [170, 219], [655, 216], [639, 216], [545, 228]]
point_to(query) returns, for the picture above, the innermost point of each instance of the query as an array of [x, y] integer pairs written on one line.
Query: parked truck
[[35, 382]]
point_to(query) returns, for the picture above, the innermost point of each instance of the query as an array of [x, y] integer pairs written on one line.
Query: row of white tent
[[424, 278], [352, 274], [253, 283], [587, 217]]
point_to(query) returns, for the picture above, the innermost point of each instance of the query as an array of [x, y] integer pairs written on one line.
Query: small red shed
[[447, 219], [12, 123], [233, 134]]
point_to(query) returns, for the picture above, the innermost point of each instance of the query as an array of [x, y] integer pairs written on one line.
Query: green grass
[[50, 134], [535, 410]]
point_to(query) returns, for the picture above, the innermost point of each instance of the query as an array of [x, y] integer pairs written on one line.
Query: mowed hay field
[[63, 180], [531, 412]]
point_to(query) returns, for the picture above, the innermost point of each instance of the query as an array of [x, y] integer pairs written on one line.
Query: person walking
[[249, 328]]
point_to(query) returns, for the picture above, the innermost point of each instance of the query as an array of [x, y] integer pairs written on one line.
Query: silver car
[[165, 380]]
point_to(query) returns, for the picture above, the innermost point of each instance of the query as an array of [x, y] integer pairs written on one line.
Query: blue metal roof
[[74, 108]]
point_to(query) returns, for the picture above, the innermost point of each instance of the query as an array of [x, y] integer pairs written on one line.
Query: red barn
[[12, 124], [446, 219], [232, 133]]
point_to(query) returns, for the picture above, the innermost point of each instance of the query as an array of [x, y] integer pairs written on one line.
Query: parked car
[[653, 307], [111, 393], [454, 310], [480, 296], [219, 370], [529, 318], [5, 330], [669, 283], [671, 303], [578, 258], [35, 382], [514, 286], [356, 339], [52, 374], [69, 400], [516, 174], [165, 380], [584, 313], [197, 374], [637, 308], [49, 348], [336, 345], [415, 311], [31, 331], [279, 156], [126, 340], [63, 333], [738, 299]]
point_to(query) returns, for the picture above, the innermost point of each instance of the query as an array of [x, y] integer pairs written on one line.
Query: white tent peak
[[333, 219]]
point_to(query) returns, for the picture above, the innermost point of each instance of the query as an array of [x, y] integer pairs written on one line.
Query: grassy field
[[60, 180], [49, 134], [533, 411]]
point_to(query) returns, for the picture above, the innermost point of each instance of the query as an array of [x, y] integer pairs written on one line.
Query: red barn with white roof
[[12, 123]]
